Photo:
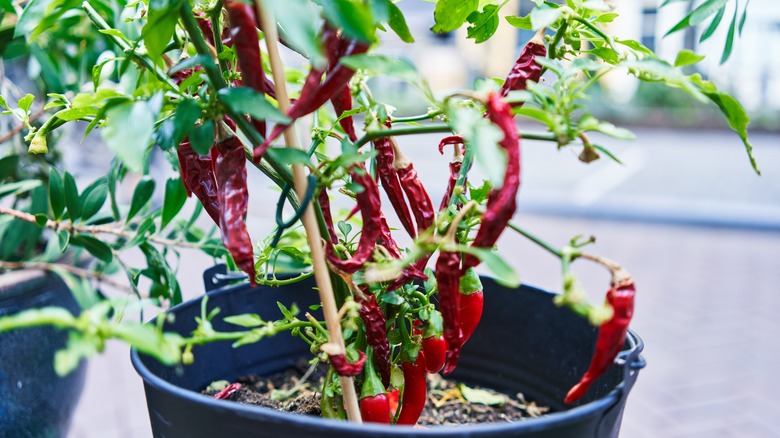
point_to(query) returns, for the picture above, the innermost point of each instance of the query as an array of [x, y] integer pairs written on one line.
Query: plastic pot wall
[[523, 344], [34, 401]]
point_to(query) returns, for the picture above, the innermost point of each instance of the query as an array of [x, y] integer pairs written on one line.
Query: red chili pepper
[[611, 337], [233, 197], [370, 206], [386, 238], [324, 201], [374, 402], [415, 391], [345, 368], [471, 304], [394, 395], [435, 350], [228, 391], [247, 47], [456, 163], [197, 174], [376, 334], [501, 202], [342, 102], [419, 201], [525, 68], [392, 184], [448, 281]]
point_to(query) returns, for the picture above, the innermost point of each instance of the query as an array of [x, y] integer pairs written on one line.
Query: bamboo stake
[[329, 309]]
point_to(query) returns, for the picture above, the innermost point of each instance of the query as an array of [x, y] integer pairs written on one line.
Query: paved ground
[[707, 292]]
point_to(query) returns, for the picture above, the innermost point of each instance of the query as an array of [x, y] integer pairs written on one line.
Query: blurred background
[[685, 214]]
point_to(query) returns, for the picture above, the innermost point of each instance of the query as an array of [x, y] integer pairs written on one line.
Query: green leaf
[[41, 219], [383, 64], [115, 173], [56, 194], [299, 21], [63, 237], [744, 17], [187, 113], [161, 22], [245, 320], [481, 396], [71, 114], [19, 187], [352, 16], [175, 197], [72, 201], [165, 347], [248, 101], [202, 137], [8, 166], [95, 247], [483, 24], [713, 26], [735, 114], [687, 57], [141, 195], [523, 23], [128, 131], [482, 138], [589, 123], [504, 273], [397, 22], [544, 16], [93, 198], [607, 17], [345, 229], [289, 156], [706, 10], [392, 298], [635, 45], [67, 359], [451, 14], [25, 102], [33, 13], [729, 39]]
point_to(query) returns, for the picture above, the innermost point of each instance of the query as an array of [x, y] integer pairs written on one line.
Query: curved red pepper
[[197, 174], [611, 338], [386, 238], [374, 402], [376, 334], [228, 391], [233, 197], [370, 206], [344, 367], [392, 184], [448, 282], [415, 391], [502, 202], [525, 68], [420, 202], [324, 200], [342, 102], [470, 305], [247, 47]]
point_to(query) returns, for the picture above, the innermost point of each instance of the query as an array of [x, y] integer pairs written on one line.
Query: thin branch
[[103, 278], [17, 129], [95, 229]]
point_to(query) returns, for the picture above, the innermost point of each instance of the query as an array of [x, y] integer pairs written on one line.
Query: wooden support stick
[[329, 309]]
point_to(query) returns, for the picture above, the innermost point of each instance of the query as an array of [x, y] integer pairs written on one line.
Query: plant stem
[[410, 130], [417, 118], [72, 269], [598, 32], [147, 63], [536, 240]]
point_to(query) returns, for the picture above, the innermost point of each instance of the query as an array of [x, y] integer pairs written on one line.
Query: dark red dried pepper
[[501, 202], [611, 337], [197, 174], [525, 68], [386, 238], [419, 200], [342, 102], [448, 282], [456, 163], [344, 367], [376, 333], [370, 208], [247, 47], [415, 391], [228, 391], [392, 184], [324, 200], [233, 196]]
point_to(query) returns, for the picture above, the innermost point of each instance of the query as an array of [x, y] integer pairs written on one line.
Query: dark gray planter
[[524, 344], [34, 401]]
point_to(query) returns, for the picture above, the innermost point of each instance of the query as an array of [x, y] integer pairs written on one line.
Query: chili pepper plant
[[201, 83]]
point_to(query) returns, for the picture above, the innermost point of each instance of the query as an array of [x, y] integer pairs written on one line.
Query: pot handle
[[217, 277], [632, 361]]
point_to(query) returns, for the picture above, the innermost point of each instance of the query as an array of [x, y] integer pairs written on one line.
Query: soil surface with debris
[[296, 390]]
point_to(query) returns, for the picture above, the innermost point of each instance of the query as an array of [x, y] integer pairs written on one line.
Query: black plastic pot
[[523, 344], [34, 401]]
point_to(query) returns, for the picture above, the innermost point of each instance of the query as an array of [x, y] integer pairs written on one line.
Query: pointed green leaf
[[202, 137], [397, 22], [248, 101], [161, 22], [56, 194], [483, 24], [72, 201], [175, 197], [451, 14], [141, 195], [523, 23], [544, 16], [713, 26], [96, 247], [93, 198], [687, 57], [245, 320], [128, 131], [729, 39]]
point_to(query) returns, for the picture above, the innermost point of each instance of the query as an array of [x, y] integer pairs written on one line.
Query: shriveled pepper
[[448, 281], [247, 47], [233, 197], [342, 102], [392, 183], [415, 391], [419, 200], [324, 200], [376, 334], [386, 238], [197, 174], [611, 337], [374, 402], [525, 68], [501, 202], [345, 368], [370, 206], [226, 393], [456, 163]]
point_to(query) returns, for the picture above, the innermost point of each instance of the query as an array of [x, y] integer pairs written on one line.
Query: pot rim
[[560, 417]]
